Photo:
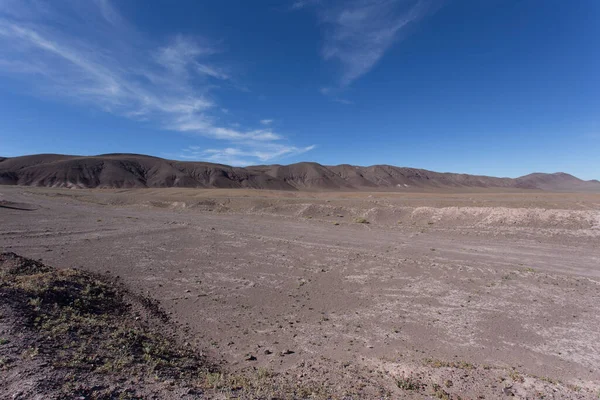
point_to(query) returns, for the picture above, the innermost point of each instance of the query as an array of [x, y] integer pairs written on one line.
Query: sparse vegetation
[[549, 380], [448, 364], [31, 352], [86, 323], [575, 388], [409, 383], [516, 377], [440, 393], [361, 220]]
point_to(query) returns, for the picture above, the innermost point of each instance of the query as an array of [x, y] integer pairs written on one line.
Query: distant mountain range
[[132, 170]]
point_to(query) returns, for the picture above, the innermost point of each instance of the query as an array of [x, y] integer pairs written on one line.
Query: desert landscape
[[448, 290], [299, 199]]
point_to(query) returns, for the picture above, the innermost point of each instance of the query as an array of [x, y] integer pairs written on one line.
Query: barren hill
[[133, 170]]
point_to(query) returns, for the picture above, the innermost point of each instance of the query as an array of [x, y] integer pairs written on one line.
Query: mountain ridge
[[122, 170]]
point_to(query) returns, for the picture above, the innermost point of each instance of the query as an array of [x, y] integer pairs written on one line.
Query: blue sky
[[498, 87]]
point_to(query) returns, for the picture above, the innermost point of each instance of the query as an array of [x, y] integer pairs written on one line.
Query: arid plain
[[485, 294]]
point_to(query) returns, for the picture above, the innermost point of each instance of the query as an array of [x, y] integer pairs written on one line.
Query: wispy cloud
[[181, 57], [359, 32], [301, 4], [108, 12], [297, 5], [211, 71], [169, 84], [334, 95], [241, 156], [266, 121]]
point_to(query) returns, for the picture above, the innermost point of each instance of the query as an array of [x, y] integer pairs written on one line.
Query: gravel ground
[[448, 294]]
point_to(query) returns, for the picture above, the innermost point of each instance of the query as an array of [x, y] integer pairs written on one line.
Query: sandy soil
[[470, 294]]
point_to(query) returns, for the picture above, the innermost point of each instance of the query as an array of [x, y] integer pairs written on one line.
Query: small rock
[[507, 391], [286, 352], [250, 357], [267, 352]]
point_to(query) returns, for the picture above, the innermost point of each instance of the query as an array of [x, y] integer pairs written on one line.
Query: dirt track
[[507, 281]]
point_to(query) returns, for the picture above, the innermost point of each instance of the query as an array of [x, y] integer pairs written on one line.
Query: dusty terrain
[[477, 295]]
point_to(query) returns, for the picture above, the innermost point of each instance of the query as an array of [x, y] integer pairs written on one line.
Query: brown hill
[[558, 181], [133, 170]]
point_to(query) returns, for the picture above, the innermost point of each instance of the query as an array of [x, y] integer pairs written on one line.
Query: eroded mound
[[72, 334]]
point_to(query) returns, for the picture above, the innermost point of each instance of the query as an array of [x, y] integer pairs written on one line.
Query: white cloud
[[181, 54], [89, 75], [105, 63], [108, 12], [211, 71], [300, 4], [239, 155], [333, 95], [266, 121], [297, 5], [359, 32]]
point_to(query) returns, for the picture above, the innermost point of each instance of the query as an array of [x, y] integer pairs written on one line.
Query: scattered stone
[[507, 391]]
